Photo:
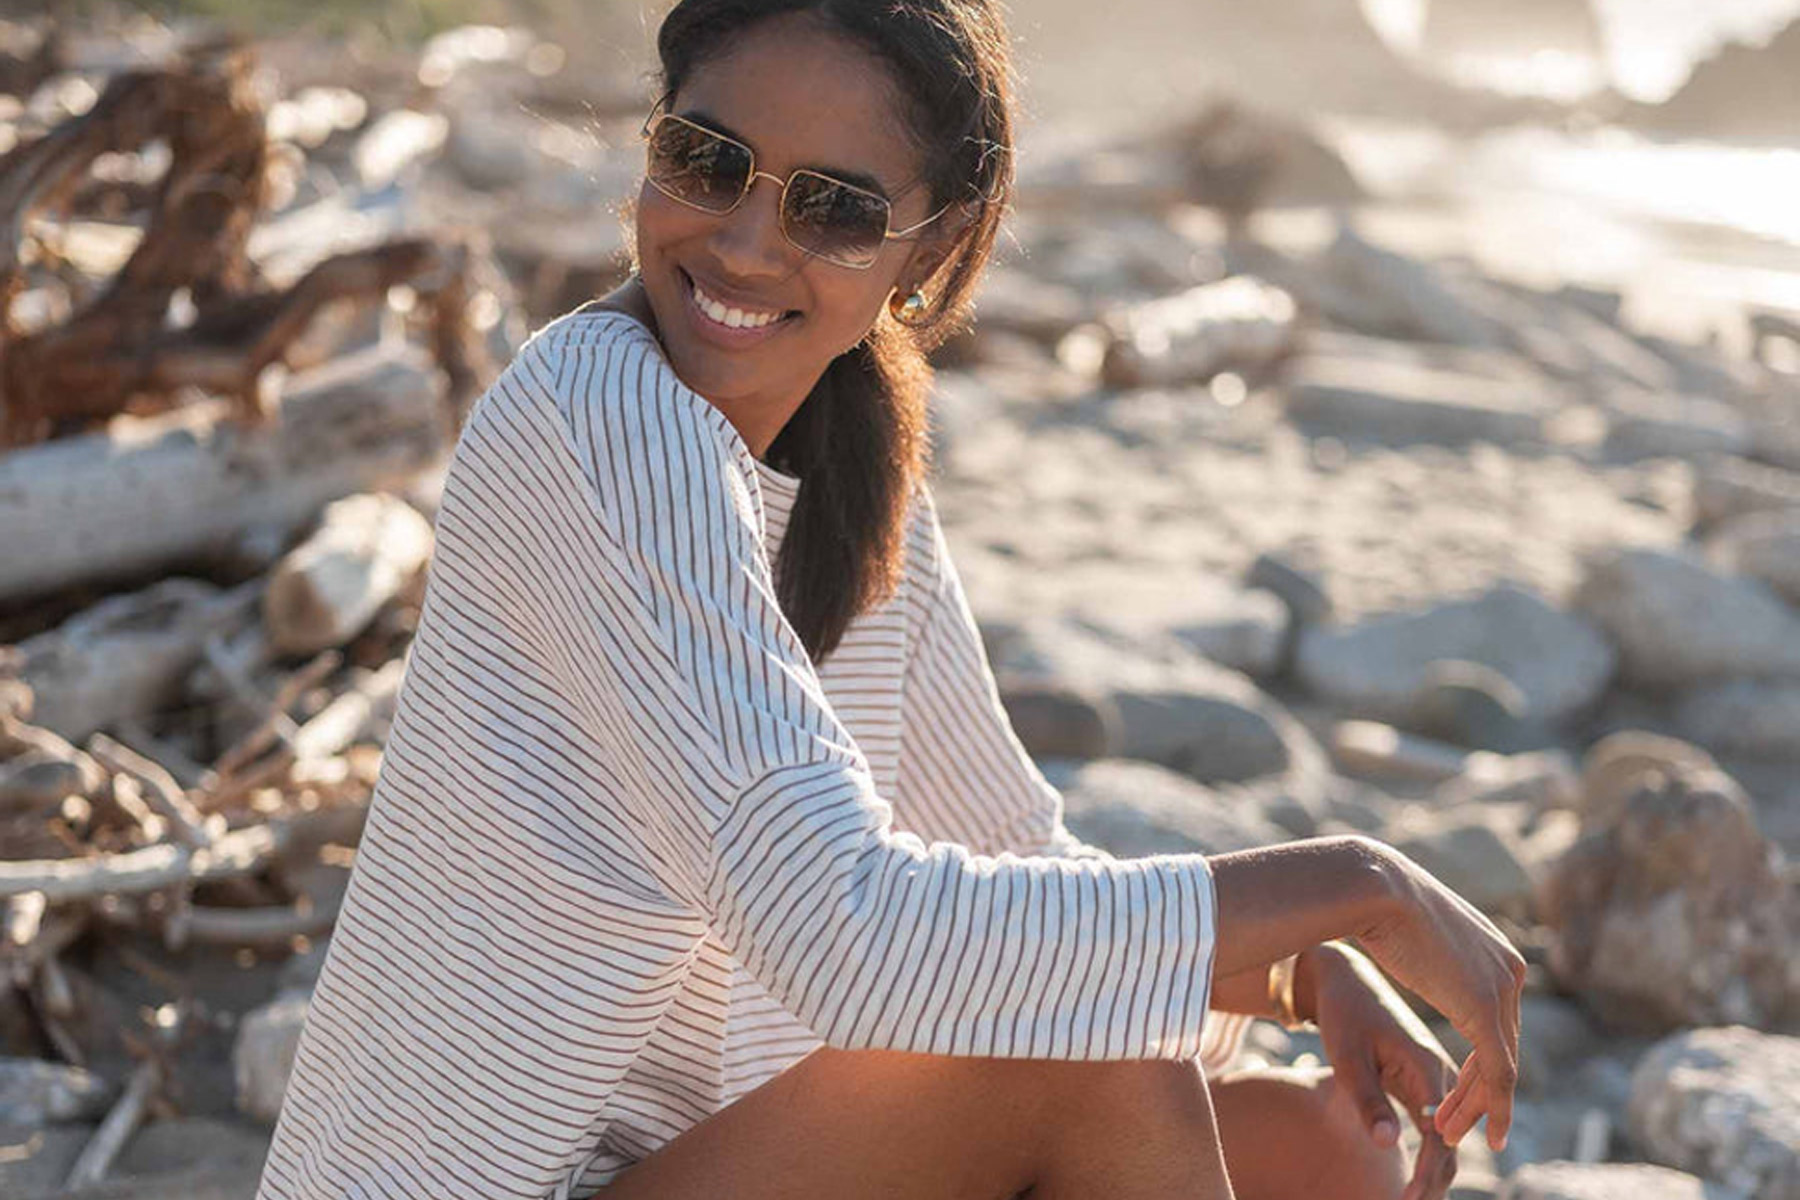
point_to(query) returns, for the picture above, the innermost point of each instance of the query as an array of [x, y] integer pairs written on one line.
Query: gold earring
[[911, 310]]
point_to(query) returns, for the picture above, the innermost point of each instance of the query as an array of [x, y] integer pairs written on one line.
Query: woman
[[703, 860]]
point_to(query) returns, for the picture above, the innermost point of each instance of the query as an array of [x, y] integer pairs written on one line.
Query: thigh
[[875, 1123], [1292, 1132]]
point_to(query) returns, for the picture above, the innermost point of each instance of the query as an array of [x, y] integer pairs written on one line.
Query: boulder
[[1303, 592], [34, 1092], [1464, 850], [1677, 621], [1134, 809], [1382, 666], [1173, 706], [1764, 546], [1756, 718], [1727, 487], [1653, 425], [1608, 1181], [1672, 908], [1399, 403], [262, 1057], [1723, 1103], [1053, 721]]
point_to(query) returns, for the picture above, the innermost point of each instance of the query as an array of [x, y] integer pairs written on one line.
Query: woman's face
[[798, 96]]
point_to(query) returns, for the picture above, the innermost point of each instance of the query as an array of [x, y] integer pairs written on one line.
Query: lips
[[731, 301]]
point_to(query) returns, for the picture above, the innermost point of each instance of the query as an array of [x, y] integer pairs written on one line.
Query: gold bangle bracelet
[[1281, 994]]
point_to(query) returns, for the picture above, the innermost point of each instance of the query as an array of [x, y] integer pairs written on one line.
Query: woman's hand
[[1379, 1047], [1440, 946], [1277, 900]]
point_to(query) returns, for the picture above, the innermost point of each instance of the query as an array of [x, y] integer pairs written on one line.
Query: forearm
[[1279, 900], [1247, 991]]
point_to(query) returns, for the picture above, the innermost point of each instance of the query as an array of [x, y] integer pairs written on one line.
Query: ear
[[936, 248]]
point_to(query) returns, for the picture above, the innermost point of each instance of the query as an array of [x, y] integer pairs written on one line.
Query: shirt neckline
[[784, 484]]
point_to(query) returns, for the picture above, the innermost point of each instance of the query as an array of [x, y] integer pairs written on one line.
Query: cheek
[[849, 303]]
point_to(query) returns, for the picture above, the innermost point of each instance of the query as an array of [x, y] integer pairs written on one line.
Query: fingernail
[[1387, 1132]]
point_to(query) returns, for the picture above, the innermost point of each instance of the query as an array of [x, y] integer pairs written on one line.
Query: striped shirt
[[631, 853]]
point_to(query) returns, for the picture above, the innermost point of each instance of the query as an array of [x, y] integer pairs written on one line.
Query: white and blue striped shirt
[[631, 853]]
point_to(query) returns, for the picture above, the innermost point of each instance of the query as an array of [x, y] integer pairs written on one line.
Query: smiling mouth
[[729, 316]]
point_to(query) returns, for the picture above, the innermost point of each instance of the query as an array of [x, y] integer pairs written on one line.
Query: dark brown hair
[[859, 442]]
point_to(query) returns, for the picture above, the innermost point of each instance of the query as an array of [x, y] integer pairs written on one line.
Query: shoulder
[[635, 427]]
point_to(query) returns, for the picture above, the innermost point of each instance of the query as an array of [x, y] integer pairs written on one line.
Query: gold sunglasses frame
[[888, 233]]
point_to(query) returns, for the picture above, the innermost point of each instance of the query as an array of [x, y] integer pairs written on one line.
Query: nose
[[749, 241]]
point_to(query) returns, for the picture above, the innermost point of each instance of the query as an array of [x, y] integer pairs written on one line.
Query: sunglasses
[[820, 216]]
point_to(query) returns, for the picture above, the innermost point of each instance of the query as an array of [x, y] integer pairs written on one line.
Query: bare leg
[[1291, 1132], [889, 1125]]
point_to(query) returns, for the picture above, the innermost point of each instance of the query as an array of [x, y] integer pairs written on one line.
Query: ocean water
[[1643, 48]]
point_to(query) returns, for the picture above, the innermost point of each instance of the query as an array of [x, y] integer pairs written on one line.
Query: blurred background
[[1380, 417]]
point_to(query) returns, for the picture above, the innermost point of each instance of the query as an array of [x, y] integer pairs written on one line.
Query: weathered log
[[329, 587], [354, 715], [158, 491], [121, 1122], [195, 239], [126, 655], [160, 788], [147, 870]]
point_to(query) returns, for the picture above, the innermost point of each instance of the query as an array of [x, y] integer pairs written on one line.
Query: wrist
[[1314, 966]]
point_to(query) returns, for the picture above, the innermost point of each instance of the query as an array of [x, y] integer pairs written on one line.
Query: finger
[[1372, 1106], [1436, 1169], [1502, 1078], [1450, 1119]]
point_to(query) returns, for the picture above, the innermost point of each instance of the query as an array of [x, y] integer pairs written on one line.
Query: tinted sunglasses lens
[[696, 166], [833, 220]]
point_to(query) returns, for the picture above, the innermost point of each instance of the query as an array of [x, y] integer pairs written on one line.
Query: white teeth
[[734, 318]]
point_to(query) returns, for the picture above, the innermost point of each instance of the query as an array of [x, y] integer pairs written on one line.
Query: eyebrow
[[861, 179]]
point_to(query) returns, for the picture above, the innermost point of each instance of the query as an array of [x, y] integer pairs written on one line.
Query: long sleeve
[[964, 773], [624, 518]]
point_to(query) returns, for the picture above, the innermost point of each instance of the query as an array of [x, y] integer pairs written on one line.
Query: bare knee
[[1289, 1132]]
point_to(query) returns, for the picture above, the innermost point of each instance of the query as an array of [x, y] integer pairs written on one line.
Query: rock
[[1061, 722], [34, 1163], [1672, 909], [1245, 629], [1301, 590], [1764, 546], [1238, 324], [1677, 622], [1470, 856], [1752, 717], [1607, 1181], [1134, 809], [1174, 707], [1723, 1103], [1729, 487], [1554, 1034], [262, 1057], [1249, 633], [1474, 705], [1651, 425], [1394, 402], [34, 1092], [328, 588], [1541, 780], [1401, 298], [1380, 667], [1371, 748], [171, 1145], [1619, 764]]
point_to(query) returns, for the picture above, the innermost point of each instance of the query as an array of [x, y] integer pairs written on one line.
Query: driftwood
[[169, 489], [118, 351], [126, 655], [330, 586], [121, 1122]]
